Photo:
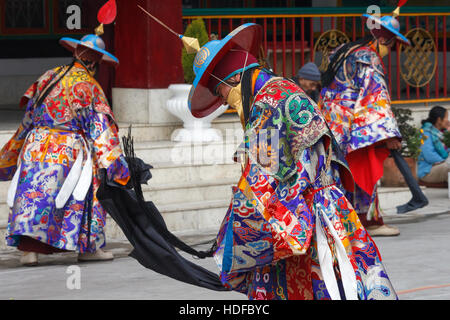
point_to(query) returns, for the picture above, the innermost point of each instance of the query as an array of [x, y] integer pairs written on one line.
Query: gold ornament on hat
[[99, 30], [190, 44], [396, 12]]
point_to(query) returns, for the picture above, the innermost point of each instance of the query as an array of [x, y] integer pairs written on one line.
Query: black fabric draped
[[154, 246]]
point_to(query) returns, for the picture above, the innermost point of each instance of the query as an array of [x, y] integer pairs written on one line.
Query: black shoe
[[412, 205]]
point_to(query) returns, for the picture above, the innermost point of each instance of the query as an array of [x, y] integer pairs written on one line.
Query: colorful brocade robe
[[357, 108], [53, 161], [290, 233]]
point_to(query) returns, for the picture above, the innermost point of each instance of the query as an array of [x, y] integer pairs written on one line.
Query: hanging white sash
[[78, 181], [326, 262], [13, 187], [70, 183], [84, 183]]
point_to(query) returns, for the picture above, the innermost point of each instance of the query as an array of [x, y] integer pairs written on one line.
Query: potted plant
[[194, 129], [410, 151], [447, 139]]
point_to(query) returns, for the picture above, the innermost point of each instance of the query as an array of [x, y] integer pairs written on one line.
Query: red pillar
[[149, 55]]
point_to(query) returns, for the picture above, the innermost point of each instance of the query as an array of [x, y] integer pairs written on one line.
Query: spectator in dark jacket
[[308, 78]]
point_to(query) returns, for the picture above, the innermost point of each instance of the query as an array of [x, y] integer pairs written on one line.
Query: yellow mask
[[234, 100], [383, 50]]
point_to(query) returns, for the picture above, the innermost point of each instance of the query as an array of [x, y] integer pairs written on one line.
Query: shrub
[[196, 29], [447, 139], [411, 142]]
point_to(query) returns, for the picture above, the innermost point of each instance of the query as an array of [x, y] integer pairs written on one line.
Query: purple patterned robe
[[73, 122]]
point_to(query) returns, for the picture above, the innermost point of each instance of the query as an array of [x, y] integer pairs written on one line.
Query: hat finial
[[190, 44], [396, 12], [106, 15]]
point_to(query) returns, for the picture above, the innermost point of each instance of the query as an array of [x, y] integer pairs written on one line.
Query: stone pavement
[[439, 205], [415, 261]]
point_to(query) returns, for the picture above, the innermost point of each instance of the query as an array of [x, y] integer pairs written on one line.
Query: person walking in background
[[67, 134], [356, 104], [308, 78], [433, 166]]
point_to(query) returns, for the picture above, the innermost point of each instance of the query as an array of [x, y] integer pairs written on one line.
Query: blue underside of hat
[[212, 48], [94, 48], [387, 27]]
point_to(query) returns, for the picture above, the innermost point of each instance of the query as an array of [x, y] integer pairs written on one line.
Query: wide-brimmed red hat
[[246, 38]]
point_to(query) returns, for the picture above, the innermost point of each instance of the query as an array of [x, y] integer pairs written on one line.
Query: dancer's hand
[[393, 144]]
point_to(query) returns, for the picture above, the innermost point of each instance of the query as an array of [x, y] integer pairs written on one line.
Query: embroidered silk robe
[[290, 232], [53, 161], [357, 108]]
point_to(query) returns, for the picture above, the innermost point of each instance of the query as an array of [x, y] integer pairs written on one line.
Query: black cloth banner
[[154, 245]]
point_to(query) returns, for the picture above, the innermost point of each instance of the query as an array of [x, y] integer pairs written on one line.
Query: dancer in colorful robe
[[356, 105], [67, 134], [290, 232]]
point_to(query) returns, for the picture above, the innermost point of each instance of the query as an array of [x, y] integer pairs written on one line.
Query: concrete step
[[189, 192], [4, 212], [170, 173], [186, 153], [227, 124], [194, 215], [4, 185], [180, 164]]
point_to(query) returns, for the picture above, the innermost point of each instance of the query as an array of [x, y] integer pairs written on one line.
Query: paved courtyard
[[417, 261]]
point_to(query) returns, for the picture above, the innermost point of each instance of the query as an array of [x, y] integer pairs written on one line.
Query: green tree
[[196, 29]]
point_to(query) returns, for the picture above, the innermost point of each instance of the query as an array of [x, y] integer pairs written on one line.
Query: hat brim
[[71, 44], [397, 34], [202, 102]]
